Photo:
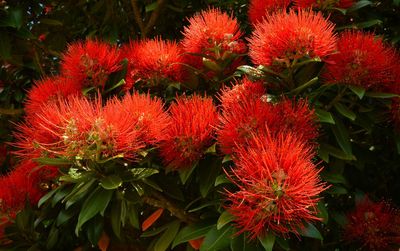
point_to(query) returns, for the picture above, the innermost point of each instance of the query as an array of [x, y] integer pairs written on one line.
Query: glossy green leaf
[[336, 152], [324, 116], [132, 215], [191, 232], [217, 239], [358, 90], [141, 173], [226, 158], [267, 241], [224, 219], [167, 237], [14, 19], [283, 243], [342, 109], [358, 5], [111, 182], [209, 173], [97, 202], [322, 212], [65, 215], [116, 216], [311, 231], [221, 179], [241, 243], [381, 95], [53, 161], [46, 197], [342, 136], [186, 173]]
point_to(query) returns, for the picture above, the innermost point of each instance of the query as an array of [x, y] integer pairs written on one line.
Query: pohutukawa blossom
[[323, 4], [250, 116], [215, 35], [375, 225], [258, 9], [153, 61], [191, 131], [244, 89], [149, 113], [79, 128], [362, 60], [49, 90], [278, 185], [27, 182], [90, 62], [284, 37]]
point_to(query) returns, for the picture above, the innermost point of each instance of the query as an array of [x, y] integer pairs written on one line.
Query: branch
[[13, 112], [138, 17], [145, 29], [162, 202]]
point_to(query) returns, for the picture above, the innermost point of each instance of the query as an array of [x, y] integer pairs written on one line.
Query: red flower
[[375, 225], [284, 37], [149, 113], [245, 89], [251, 115], [79, 128], [258, 9], [42, 37], [90, 62], [49, 90], [153, 61], [27, 181], [362, 60], [278, 186], [191, 131], [214, 34], [322, 4]]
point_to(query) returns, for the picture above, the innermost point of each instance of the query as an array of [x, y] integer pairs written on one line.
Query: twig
[[162, 202], [145, 29], [13, 112], [138, 17]]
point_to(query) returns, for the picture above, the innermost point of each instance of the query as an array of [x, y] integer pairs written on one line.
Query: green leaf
[[224, 219], [241, 243], [381, 95], [361, 25], [52, 239], [342, 109], [61, 193], [283, 243], [337, 189], [335, 178], [324, 116], [359, 91], [53, 161], [133, 215], [46, 197], [167, 237], [311, 231], [65, 215], [267, 241], [111, 182], [358, 5], [226, 158], [251, 71], [97, 202], [185, 173], [342, 136], [209, 173], [5, 46], [217, 239], [154, 232], [211, 149], [221, 179], [116, 215], [80, 190], [141, 173], [191, 232], [49, 21], [323, 212], [151, 7], [336, 152], [14, 19]]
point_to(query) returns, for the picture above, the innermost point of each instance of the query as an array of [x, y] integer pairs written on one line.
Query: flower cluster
[[211, 38], [375, 225], [247, 112], [278, 186], [283, 37], [362, 60], [258, 9], [191, 132], [324, 4]]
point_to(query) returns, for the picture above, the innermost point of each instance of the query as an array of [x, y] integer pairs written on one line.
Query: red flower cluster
[[362, 60], [78, 127], [278, 186], [258, 9], [27, 182], [50, 90], [283, 37], [153, 61], [90, 62], [323, 4], [375, 225], [214, 35], [250, 114], [190, 133]]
